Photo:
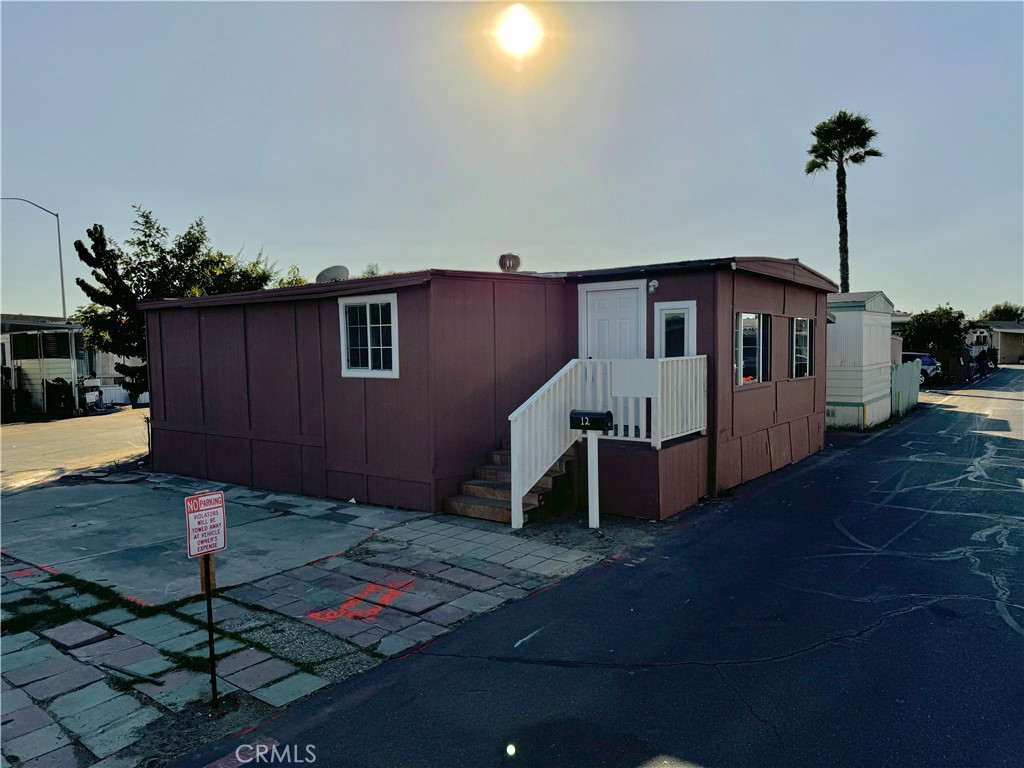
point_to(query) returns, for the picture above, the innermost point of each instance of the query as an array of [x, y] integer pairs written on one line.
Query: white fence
[[650, 400], [906, 385]]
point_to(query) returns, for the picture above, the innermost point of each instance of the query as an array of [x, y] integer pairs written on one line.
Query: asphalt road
[[862, 608], [36, 453]]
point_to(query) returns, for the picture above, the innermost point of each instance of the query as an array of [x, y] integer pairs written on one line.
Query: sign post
[[207, 533]]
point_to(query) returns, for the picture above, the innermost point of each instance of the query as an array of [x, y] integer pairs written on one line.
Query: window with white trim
[[675, 328], [369, 336], [752, 347], [801, 347]]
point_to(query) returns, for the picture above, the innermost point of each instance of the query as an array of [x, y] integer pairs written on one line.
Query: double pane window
[[369, 336]]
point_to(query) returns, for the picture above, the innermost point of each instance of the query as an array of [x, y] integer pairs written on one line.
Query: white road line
[[520, 642]]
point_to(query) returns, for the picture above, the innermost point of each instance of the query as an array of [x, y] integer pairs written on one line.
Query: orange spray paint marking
[[351, 609], [22, 573], [136, 600], [48, 568]]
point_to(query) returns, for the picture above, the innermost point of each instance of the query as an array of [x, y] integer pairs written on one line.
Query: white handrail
[[653, 404], [540, 432]]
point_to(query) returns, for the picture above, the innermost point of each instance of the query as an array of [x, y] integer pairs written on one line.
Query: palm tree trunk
[[844, 235]]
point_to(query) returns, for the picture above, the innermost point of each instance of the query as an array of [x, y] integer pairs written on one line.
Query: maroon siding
[[638, 481], [376, 432], [494, 344], [765, 426]]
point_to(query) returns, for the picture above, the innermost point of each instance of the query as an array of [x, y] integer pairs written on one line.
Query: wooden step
[[504, 474], [496, 489], [482, 508], [503, 458]]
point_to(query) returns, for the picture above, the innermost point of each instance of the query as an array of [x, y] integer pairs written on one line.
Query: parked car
[[930, 367]]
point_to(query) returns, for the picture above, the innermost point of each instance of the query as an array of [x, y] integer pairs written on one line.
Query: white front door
[[613, 322]]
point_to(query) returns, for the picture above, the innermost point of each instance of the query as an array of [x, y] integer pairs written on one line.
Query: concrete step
[[504, 475], [482, 508], [496, 489]]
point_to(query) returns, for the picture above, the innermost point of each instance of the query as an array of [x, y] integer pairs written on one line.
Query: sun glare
[[519, 32]]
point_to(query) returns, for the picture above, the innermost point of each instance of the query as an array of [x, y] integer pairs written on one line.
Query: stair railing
[[540, 431], [652, 401]]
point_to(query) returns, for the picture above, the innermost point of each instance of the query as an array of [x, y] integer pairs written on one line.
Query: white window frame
[[810, 347], [687, 308], [764, 348], [369, 373]]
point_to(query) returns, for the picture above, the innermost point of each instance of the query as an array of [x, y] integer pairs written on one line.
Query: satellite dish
[[333, 273]]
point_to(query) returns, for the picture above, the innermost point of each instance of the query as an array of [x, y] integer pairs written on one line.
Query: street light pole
[[63, 304]]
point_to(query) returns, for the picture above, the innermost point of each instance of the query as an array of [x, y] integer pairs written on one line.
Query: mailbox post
[[590, 422]]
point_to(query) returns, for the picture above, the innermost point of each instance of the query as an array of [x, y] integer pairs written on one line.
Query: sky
[[349, 133]]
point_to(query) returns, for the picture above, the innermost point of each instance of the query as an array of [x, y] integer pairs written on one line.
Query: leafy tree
[[373, 270], [153, 266], [293, 277], [942, 332], [1006, 310], [843, 138]]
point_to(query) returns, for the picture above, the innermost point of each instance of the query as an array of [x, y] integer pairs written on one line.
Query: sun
[[519, 32]]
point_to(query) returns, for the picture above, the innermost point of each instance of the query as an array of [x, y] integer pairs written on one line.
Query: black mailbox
[[595, 420]]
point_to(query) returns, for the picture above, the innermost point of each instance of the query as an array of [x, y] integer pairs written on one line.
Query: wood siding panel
[[779, 446], [225, 400], [346, 485], [820, 356], [154, 346], [310, 375], [562, 329], [183, 399], [463, 374], [314, 474], [520, 363], [277, 466], [399, 494], [756, 294], [398, 427], [794, 398], [273, 383], [730, 464], [180, 453], [683, 474], [628, 484], [801, 302], [753, 408], [229, 459], [799, 439], [756, 457], [344, 401], [722, 361]]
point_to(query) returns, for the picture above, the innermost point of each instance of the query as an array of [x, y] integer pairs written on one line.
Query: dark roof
[[1001, 325], [15, 323], [790, 270], [336, 288]]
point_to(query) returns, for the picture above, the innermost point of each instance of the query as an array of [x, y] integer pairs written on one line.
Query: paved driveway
[[864, 607], [41, 452]]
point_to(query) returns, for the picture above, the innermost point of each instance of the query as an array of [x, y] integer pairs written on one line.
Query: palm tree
[[843, 138]]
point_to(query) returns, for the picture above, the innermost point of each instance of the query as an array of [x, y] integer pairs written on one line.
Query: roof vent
[[509, 262], [333, 273]]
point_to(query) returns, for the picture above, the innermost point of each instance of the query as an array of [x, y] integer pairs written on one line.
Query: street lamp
[[63, 302]]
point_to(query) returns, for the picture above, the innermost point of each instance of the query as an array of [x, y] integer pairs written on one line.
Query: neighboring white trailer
[[859, 362]]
